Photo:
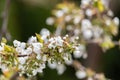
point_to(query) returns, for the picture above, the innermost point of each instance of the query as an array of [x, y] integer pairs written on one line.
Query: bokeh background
[[27, 17]]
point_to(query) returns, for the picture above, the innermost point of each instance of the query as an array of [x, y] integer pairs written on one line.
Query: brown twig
[[5, 19]]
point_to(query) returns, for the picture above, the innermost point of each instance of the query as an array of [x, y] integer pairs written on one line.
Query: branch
[[5, 19]]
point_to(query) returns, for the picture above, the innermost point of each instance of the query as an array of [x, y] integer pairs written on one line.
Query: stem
[[5, 19]]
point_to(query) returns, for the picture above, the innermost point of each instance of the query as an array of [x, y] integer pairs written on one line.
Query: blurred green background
[[27, 17]]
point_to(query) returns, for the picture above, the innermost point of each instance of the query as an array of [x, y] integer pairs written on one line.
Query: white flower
[[65, 9], [76, 32], [51, 45], [116, 21], [44, 57], [65, 36], [89, 12], [77, 54], [87, 34], [61, 50], [59, 41], [42, 65], [68, 62], [50, 21], [34, 72], [56, 41], [19, 50], [22, 60], [37, 47], [76, 19], [59, 13], [108, 22], [32, 39], [39, 69], [97, 31], [38, 56], [85, 2], [90, 78], [52, 65], [23, 45], [1, 47], [45, 32], [60, 69], [3, 67], [85, 24], [80, 74], [28, 51], [68, 18], [69, 27], [110, 13], [105, 3], [79, 51], [85, 55], [16, 43]]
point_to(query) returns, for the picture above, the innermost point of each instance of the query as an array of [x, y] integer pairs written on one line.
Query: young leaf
[[39, 38]]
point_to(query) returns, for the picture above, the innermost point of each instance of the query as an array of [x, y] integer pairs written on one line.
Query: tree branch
[[5, 19]]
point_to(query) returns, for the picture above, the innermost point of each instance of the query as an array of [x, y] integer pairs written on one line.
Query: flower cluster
[[93, 21], [31, 58]]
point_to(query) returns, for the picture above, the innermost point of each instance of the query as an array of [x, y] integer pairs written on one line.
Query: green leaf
[[107, 44], [39, 38], [99, 5], [7, 48], [4, 40]]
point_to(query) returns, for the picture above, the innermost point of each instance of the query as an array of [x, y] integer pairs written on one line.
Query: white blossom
[[87, 34], [76, 19], [38, 56], [69, 27], [3, 67], [52, 65], [50, 21], [116, 21], [19, 50], [86, 24], [80, 74], [2, 47], [85, 2], [65, 9], [61, 50], [77, 54], [97, 32], [90, 78], [110, 13], [68, 18], [40, 69], [108, 22], [105, 3], [45, 32], [59, 13], [79, 51], [89, 12], [28, 51], [34, 72], [44, 57], [22, 60], [56, 41], [76, 32], [37, 47], [68, 61], [32, 39], [16, 43], [60, 69]]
